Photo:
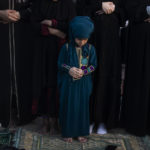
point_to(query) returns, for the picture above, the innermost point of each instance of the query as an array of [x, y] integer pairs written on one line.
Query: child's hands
[[108, 7], [80, 72], [76, 72]]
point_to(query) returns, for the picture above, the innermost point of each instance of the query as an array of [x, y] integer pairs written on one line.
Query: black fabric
[[85, 7], [136, 105], [124, 43], [24, 60], [46, 48], [136, 10], [111, 147], [5, 69], [19, 54], [89, 7], [4, 147], [105, 101]]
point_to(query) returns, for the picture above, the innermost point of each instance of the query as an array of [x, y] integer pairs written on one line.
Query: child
[[76, 62]]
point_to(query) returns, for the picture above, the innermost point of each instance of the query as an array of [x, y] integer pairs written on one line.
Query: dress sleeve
[[36, 17], [120, 12], [91, 6], [61, 25], [25, 11], [71, 13], [92, 62], [63, 59]]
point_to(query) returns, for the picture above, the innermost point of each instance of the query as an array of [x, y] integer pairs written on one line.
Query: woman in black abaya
[[136, 102], [108, 17], [50, 20], [16, 49]]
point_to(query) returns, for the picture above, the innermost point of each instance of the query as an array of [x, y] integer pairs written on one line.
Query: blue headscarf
[[79, 27]]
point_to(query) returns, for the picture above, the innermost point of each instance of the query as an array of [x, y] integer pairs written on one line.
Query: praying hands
[[108, 7], [8, 15], [76, 73], [53, 31]]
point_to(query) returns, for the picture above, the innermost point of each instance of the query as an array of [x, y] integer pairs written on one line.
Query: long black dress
[[5, 70], [24, 59], [136, 106], [15, 65], [46, 51], [106, 92]]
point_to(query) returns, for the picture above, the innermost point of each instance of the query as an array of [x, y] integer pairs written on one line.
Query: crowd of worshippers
[[78, 64]]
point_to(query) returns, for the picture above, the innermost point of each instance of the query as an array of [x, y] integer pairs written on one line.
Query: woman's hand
[[76, 73], [108, 7], [47, 22], [57, 33], [147, 20], [9, 15]]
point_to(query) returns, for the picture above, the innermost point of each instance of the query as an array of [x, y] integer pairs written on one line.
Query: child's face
[[80, 42]]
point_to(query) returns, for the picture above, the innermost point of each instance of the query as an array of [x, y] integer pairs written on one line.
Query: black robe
[[16, 62], [124, 34], [136, 102], [106, 93], [80, 5], [5, 70], [46, 51]]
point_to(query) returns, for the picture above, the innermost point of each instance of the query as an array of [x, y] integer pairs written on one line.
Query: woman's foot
[[82, 139], [91, 128], [69, 140], [101, 129]]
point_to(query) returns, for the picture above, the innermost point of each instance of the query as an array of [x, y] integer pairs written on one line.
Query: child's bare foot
[[82, 139], [69, 140]]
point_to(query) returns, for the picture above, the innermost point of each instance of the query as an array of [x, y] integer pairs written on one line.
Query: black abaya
[[46, 51], [106, 92], [16, 62], [136, 104]]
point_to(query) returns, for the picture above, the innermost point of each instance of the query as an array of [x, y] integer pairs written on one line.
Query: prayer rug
[[30, 140], [6, 137]]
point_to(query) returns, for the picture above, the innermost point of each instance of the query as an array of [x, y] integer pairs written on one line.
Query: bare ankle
[[82, 139], [69, 140]]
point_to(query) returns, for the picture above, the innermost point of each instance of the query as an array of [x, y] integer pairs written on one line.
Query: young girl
[[77, 60]]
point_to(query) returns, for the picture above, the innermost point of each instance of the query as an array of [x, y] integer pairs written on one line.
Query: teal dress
[[74, 94]]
